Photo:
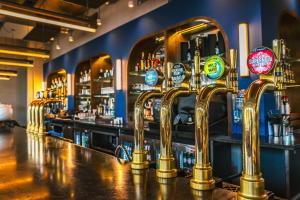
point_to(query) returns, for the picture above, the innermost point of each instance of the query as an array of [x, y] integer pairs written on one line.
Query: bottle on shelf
[[81, 77], [89, 75], [217, 49], [189, 53], [101, 73], [143, 62], [149, 61]]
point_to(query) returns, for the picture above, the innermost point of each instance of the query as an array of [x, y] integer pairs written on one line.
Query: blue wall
[[117, 43]]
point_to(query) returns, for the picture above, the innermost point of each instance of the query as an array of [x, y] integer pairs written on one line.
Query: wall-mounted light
[[44, 85], [4, 78], [193, 28], [43, 16], [130, 3], [243, 48], [16, 62], [69, 84], [10, 73], [118, 74], [23, 51]]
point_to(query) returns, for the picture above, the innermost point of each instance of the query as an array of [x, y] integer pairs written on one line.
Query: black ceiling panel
[[42, 33], [91, 3]]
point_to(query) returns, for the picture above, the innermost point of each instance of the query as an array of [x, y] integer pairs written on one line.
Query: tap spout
[[139, 160], [202, 170], [167, 167], [251, 182]]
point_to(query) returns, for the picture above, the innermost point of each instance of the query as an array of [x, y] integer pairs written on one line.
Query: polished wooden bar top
[[35, 167]]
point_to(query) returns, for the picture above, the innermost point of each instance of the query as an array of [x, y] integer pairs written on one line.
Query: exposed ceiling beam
[[16, 62], [22, 51], [44, 16], [12, 73]]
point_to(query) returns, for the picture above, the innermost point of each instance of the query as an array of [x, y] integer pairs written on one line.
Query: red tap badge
[[261, 60]]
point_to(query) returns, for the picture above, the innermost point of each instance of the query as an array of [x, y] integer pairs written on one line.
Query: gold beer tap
[[139, 160], [30, 118], [36, 116], [167, 167], [41, 115], [226, 82], [251, 181]]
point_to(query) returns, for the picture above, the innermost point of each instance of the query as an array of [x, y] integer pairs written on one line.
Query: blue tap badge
[[214, 67], [178, 73], [151, 78]]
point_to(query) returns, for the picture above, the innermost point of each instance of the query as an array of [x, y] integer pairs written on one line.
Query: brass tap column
[[251, 181], [139, 156], [30, 116], [33, 115], [37, 116], [202, 170], [139, 160], [181, 75]]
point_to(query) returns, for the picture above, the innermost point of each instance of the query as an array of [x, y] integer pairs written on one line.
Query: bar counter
[[35, 167], [225, 152]]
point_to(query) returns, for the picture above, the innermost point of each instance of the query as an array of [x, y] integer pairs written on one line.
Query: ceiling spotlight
[[99, 22], [57, 47], [71, 39], [130, 4], [107, 3], [52, 39]]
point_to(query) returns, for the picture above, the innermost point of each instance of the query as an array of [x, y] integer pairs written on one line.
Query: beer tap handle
[[169, 75], [233, 73]]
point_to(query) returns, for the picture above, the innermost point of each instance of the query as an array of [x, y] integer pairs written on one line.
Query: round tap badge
[[178, 73], [261, 60], [151, 78], [214, 67]]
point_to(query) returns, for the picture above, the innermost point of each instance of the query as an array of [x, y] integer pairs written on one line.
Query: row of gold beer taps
[[251, 181], [36, 116]]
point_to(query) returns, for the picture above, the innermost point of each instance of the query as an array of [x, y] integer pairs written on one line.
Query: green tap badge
[[214, 67]]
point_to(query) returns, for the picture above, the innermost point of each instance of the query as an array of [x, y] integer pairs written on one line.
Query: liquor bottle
[[143, 62], [81, 77], [89, 75], [217, 49], [149, 61], [137, 67], [158, 63], [189, 53], [153, 62]]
